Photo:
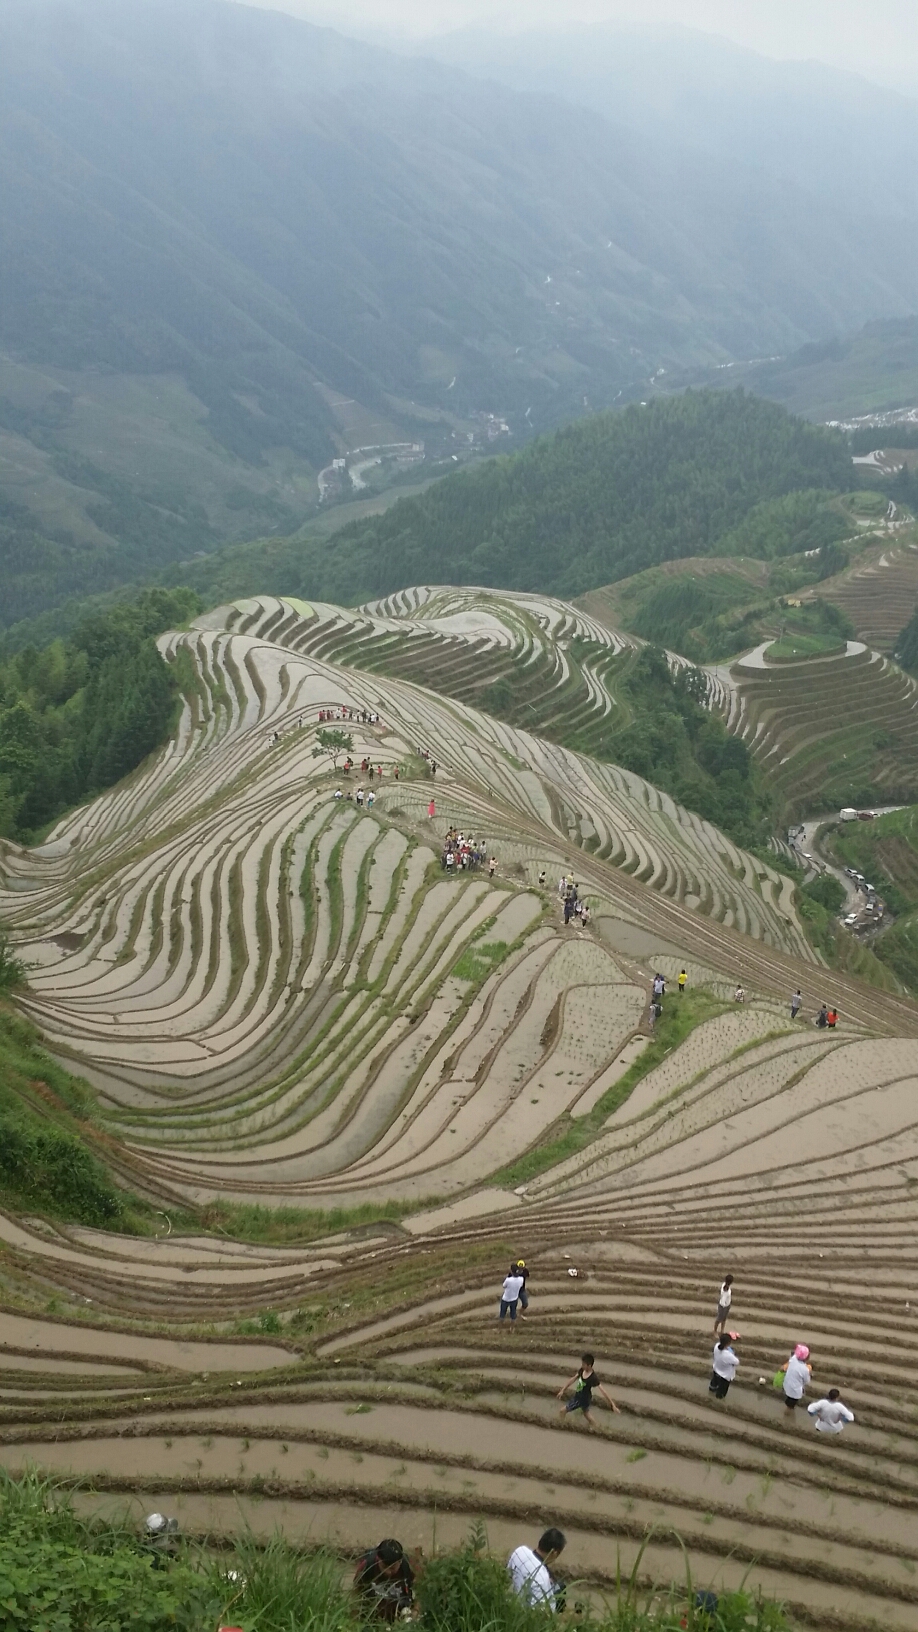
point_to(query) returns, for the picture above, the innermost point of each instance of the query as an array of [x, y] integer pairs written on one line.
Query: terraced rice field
[[878, 592], [281, 998], [534, 661], [828, 727]]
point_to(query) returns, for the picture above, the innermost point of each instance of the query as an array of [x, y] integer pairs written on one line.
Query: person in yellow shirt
[[683, 977]]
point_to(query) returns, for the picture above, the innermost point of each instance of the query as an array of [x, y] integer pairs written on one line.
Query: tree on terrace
[[332, 743]]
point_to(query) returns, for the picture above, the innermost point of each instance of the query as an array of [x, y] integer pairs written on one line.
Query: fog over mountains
[[218, 221], [830, 133], [261, 205]]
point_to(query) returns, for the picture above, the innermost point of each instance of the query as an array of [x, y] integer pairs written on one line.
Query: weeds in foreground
[[60, 1570]]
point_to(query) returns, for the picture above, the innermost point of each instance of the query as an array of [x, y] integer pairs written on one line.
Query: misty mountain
[[262, 205], [218, 222], [834, 134]]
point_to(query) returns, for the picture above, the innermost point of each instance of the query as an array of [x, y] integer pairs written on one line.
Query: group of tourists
[[793, 1379], [574, 909], [356, 716], [826, 1017], [462, 853], [384, 1578], [658, 992]]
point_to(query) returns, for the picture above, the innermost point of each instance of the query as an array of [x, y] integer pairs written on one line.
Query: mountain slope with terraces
[[281, 999]]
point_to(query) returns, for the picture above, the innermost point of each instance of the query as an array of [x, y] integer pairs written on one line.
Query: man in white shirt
[[530, 1575], [830, 1414], [509, 1296]]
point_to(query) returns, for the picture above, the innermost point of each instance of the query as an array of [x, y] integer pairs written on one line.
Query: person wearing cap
[[384, 1579], [161, 1535], [519, 1268], [797, 1372]]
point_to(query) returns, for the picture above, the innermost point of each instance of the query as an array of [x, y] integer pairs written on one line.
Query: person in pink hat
[[797, 1372]]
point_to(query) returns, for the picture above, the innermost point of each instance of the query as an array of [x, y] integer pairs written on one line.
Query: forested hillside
[[700, 474], [235, 245], [78, 715]]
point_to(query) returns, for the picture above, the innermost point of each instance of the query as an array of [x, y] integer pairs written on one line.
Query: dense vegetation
[[673, 741], [79, 714], [701, 474], [137, 525], [886, 852], [63, 1572], [713, 615], [49, 1160]]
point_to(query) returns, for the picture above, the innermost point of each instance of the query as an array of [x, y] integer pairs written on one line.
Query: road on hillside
[[805, 843]]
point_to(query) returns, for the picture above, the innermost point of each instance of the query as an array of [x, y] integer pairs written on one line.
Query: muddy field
[[281, 997]]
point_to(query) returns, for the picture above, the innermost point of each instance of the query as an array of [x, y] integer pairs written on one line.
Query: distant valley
[[238, 248]]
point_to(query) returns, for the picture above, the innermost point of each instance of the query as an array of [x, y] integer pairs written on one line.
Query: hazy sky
[[878, 38]]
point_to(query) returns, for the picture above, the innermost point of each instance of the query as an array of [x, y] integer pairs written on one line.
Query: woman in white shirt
[[830, 1414], [797, 1373], [724, 1367]]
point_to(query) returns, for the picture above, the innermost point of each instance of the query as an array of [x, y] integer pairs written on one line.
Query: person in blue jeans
[[519, 1268], [584, 1382], [510, 1296]]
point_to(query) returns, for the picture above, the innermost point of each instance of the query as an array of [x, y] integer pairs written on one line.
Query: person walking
[[724, 1301], [530, 1575], [584, 1382], [797, 1372], [432, 810], [683, 977], [795, 1004], [723, 1366], [830, 1414], [542, 879], [510, 1296], [492, 866]]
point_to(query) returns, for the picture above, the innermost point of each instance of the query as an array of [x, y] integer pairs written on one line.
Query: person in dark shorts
[[724, 1301], [384, 1580], [723, 1367], [584, 1382]]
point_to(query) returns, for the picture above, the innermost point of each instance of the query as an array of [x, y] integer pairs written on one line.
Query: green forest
[[701, 474], [78, 714]]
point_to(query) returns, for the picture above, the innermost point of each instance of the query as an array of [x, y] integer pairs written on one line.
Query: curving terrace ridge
[[282, 998]]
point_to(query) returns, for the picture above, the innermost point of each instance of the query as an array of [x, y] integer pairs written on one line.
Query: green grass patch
[[795, 646], [282, 1225], [569, 1134], [49, 1163], [478, 960]]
